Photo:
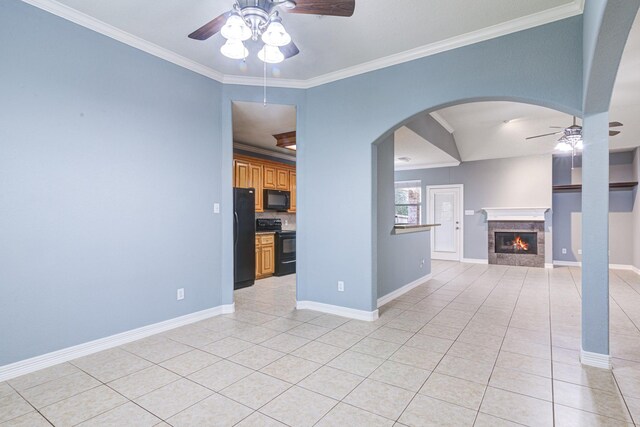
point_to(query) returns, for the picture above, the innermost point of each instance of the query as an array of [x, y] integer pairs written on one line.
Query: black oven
[[276, 200], [285, 253]]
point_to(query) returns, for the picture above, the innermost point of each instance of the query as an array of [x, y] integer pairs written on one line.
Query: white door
[[444, 208]]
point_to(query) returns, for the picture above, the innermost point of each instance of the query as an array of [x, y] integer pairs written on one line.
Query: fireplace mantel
[[515, 214]]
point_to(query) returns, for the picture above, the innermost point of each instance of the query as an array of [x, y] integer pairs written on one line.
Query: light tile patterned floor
[[476, 345]]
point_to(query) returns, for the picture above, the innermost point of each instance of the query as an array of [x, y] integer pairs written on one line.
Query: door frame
[[428, 213]]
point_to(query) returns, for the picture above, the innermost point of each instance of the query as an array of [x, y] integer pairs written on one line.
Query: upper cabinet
[[250, 172]]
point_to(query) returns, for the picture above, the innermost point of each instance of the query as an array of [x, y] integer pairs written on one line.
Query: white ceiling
[[481, 133], [420, 153], [378, 29], [255, 124]]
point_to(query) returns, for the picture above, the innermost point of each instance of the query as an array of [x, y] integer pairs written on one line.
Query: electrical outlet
[[422, 263], [180, 294], [340, 286], [564, 250], [216, 208], [579, 251]]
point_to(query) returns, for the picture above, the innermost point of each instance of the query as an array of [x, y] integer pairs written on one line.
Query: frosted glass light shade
[[236, 29], [270, 54], [563, 146], [276, 35], [234, 49]]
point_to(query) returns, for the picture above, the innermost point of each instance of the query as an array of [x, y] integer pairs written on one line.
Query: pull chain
[[264, 73]]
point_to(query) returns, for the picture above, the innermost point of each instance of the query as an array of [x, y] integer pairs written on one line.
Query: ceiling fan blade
[[210, 28], [615, 124], [540, 136], [325, 7], [290, 50], [613, 132]]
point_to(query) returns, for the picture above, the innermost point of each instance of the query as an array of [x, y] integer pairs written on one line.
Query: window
[[408, 202]]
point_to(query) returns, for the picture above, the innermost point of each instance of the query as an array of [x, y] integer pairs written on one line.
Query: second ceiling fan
[[259, 20]]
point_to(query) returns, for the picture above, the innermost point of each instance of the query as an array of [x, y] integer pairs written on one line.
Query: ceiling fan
[[574, 132], [571, 139], [259, 20]]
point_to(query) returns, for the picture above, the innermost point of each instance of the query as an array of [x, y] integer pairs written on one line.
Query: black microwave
[[276, 200]]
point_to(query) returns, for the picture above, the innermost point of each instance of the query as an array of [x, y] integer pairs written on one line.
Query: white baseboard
[[475, 261], [403, 290], [548, 265], [60, 356], [596, 360], [611, 266], [351, 313]]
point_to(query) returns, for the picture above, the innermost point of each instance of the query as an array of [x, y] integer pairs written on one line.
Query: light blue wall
[[636, 210], [514, 182], [404, 258], [109, 168]]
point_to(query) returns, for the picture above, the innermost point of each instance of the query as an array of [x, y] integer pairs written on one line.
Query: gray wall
[[403, 258], [567, 210], [109, 168], [514, 182]]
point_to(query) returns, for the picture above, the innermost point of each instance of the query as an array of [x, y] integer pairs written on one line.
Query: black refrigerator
[[244, 237]]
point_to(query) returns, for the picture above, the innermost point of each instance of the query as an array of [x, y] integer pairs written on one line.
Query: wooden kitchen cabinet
[[282, 179], [270, 177], [255, 173], [292, 189], [249, 175], [251, 172], [265, 255]]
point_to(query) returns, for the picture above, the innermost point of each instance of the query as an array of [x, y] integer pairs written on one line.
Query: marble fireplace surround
[[514, 220]]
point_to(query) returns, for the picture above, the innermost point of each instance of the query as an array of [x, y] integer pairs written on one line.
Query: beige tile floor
[[476, 345]]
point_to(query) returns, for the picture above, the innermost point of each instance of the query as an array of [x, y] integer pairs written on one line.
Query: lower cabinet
[[265, 255]]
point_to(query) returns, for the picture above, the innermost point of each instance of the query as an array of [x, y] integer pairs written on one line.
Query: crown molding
[[77, 17], [523, 23], [263, 151], [445, 124]]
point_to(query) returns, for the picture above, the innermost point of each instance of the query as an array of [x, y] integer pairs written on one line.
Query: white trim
[[49, 359], [523, 23], [502, 29], [548, 265], [264, 151], [427, 166], [460, 188], [475, 261], [516, 214], [351, 313], [108, 30], [596, 360], [567, 263], [611, 266], [441, 120], [403, 290]]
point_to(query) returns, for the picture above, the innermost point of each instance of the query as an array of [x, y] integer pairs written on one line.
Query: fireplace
[[511, 242], [516, 236]]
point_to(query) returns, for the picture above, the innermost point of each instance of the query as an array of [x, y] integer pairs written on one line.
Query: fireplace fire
[[516, 242]]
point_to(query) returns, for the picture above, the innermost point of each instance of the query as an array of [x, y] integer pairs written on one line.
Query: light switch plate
[[216, 208]]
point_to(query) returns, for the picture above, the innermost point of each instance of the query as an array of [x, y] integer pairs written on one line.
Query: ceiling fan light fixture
[[275, 34], [564, 146], [270, 54], [234, 49], [236, 29]]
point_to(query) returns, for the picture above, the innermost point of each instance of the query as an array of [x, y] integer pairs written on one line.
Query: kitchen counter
[[407, 228]]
